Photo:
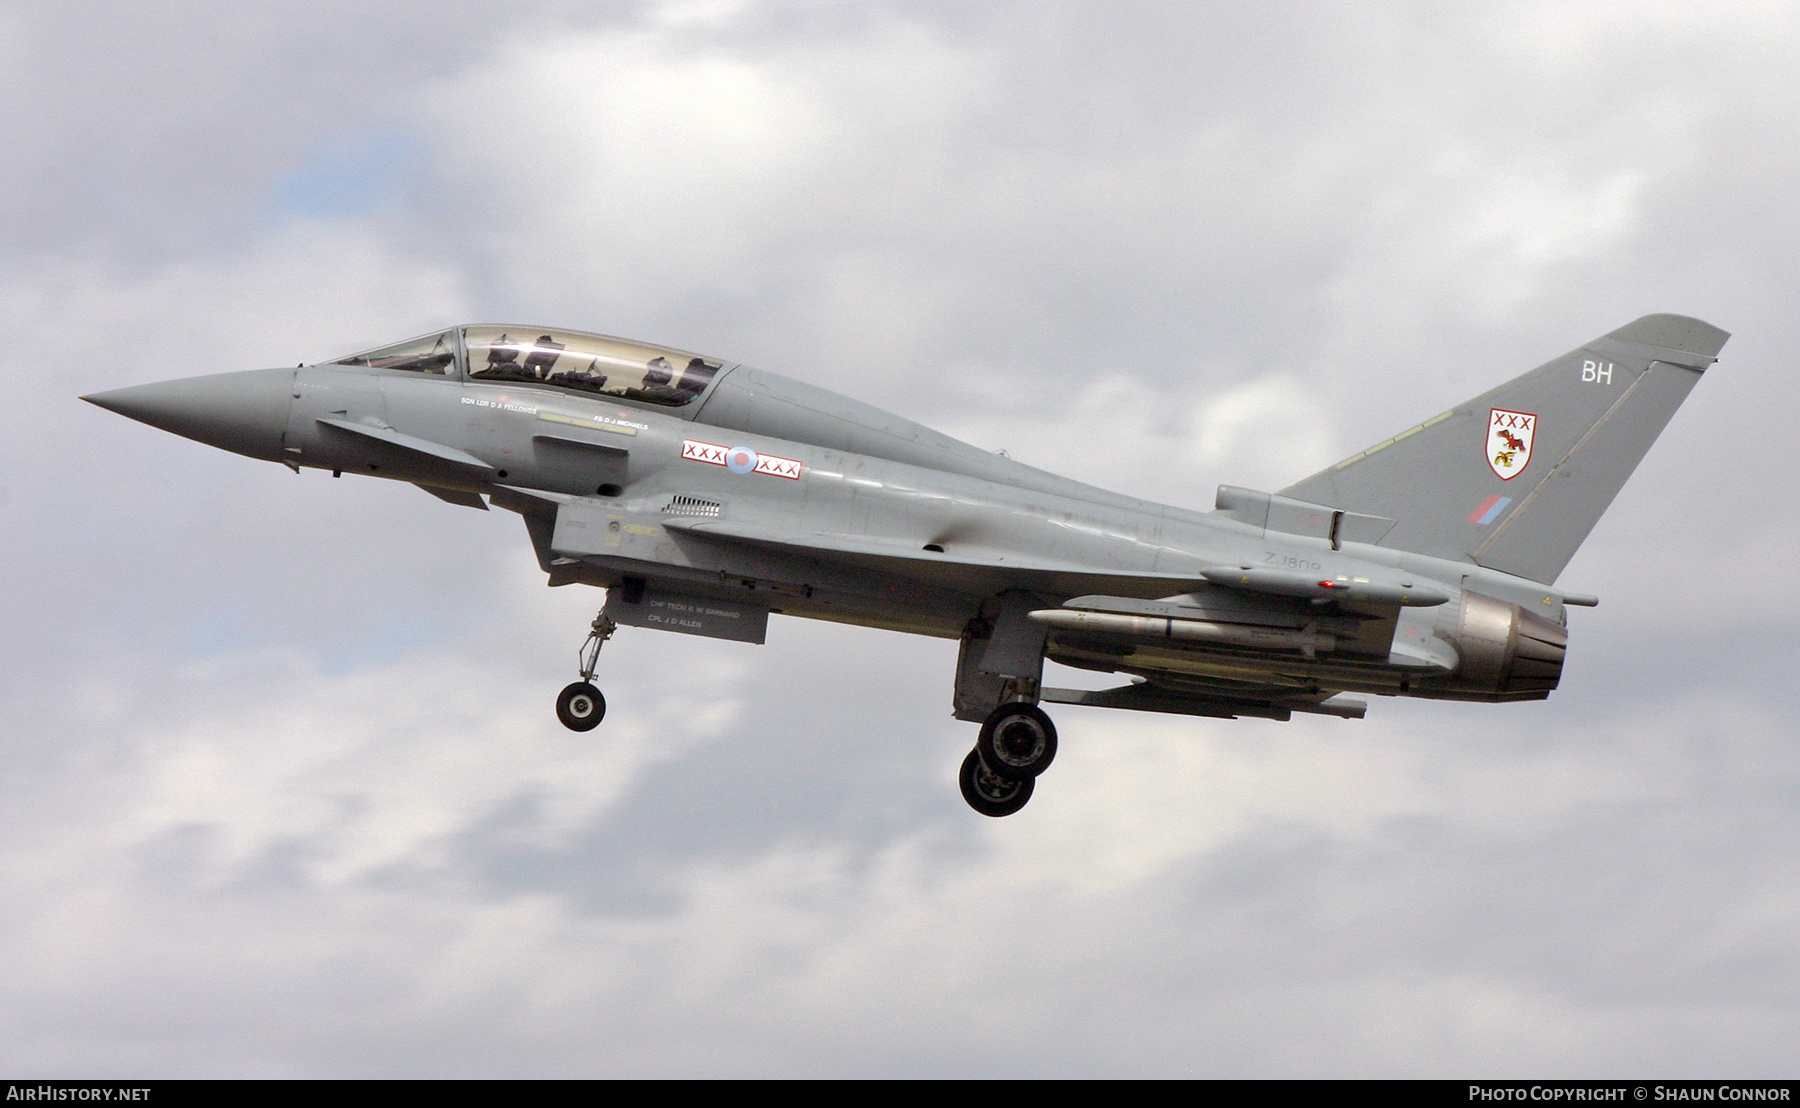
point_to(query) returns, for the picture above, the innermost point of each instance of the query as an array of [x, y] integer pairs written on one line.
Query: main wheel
[[1017, 741], [581, 707], [989, 793]]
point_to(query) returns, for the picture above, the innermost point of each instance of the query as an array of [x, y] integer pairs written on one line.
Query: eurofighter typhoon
[[704, 496]]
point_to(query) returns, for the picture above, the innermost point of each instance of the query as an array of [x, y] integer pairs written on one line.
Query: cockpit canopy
[[569, 359], [427, 354]]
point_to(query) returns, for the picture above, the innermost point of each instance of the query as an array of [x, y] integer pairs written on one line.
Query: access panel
[[650, 606]]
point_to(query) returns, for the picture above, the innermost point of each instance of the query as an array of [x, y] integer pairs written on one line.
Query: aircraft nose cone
[[245, 413]]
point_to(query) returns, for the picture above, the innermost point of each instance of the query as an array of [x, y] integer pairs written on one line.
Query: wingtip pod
[[1680, 333]]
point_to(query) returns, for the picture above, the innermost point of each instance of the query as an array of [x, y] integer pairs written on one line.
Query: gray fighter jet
[[704, 496]]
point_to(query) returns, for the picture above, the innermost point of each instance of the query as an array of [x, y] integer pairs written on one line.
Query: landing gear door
[[1001, 657], [735, 620], [1016, 648]]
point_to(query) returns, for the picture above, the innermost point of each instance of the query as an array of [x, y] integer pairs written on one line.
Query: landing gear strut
[[580, 706], [1017, 743]]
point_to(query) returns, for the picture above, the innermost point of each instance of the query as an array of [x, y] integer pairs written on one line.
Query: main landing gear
[[1017, 743], [580, 706]]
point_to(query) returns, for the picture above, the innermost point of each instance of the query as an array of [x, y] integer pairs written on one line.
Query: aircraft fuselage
[[705, 496]]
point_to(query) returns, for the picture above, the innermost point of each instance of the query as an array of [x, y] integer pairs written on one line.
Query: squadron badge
[[1509, 436]]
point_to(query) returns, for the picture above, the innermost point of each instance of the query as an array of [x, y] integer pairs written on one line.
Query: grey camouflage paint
[[1412, 568]]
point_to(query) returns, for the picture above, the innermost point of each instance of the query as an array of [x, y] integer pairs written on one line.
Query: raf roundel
[[740, 459]]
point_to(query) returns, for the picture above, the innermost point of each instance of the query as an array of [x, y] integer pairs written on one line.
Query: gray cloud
[[282, 791]]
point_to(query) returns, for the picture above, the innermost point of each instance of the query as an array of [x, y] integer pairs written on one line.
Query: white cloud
[[639, 163], [283, 792], [289, 830]]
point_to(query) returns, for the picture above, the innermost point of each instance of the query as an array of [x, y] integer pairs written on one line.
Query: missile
[[1189, 630]]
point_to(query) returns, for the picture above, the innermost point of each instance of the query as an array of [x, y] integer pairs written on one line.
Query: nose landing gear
[[580, 706]]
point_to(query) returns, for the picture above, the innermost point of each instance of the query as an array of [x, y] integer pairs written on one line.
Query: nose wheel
[[580, 706]]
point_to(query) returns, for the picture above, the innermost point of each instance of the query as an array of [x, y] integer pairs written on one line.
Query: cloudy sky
[[281, 790]]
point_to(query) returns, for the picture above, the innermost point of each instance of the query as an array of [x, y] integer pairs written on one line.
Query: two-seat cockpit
[[612, 367]]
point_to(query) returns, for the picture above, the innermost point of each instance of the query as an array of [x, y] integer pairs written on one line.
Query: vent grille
[[692, 506]]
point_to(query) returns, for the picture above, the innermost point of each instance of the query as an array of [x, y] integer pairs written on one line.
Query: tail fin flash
[[1516, 478]]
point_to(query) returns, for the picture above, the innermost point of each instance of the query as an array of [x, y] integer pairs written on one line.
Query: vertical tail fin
[[1516, 478]]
